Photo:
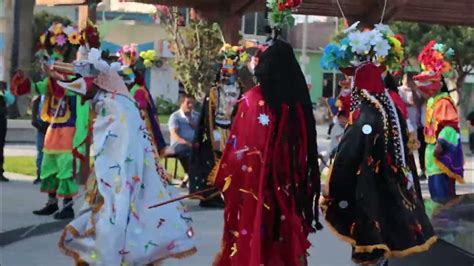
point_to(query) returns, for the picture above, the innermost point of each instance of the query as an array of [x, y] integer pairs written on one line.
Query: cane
[[182, 197]]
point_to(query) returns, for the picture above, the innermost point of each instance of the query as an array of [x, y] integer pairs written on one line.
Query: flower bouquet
[[379, 45]]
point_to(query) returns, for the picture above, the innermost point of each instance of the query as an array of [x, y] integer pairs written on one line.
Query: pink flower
[[61, 39]]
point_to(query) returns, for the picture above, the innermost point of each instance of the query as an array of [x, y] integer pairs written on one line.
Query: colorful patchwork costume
[[443, 155]]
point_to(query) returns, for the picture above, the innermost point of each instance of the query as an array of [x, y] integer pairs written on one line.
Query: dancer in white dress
[[117, 226]]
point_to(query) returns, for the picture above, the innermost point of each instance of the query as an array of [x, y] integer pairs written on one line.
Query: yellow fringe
[[448, 172], [211, 178], [368, 249]]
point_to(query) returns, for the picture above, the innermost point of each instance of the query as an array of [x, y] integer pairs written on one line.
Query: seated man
[[182, 125]]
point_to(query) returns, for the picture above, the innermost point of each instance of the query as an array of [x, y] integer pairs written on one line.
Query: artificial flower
[[374, 36], [52, 40], [244, 57], [42, 38], [150, 54], [69, 30], [61, 39], [449, 52], [147, 63], [400, 38], [58, 28], [74, 38], [439, 47], [359, 42], [384, 29]]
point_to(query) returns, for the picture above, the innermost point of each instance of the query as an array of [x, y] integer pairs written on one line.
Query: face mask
[[252, 64]]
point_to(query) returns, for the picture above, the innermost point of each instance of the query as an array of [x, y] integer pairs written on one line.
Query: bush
[[165, 106]]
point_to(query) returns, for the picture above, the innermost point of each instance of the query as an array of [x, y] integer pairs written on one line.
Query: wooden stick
[[182, 197]]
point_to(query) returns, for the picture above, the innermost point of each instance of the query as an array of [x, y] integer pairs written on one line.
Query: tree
[[196, 46], [459, 38]]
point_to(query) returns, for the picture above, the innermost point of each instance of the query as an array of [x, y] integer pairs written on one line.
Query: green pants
[[57, 175]]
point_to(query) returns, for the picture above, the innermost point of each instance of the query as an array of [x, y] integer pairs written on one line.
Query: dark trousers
[[39, 154], [421, 150], [3, 133], [183, 152]]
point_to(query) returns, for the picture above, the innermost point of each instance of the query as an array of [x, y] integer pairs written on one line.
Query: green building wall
[[314, 69]]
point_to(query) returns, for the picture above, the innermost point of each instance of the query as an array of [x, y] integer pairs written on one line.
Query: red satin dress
[[262, 224]]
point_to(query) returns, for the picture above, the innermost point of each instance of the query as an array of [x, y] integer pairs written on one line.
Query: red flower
[[400, 38], [281, 7]]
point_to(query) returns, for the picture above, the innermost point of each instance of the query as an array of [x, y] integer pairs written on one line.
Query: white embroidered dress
[[123, 230]]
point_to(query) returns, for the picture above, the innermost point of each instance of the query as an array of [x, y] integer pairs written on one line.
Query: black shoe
[[216, 202], [37, 181], [4, 179], [49, 209], [423, 177], [65, 214]]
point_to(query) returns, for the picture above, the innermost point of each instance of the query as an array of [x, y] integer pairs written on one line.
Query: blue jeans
[[39, 150]]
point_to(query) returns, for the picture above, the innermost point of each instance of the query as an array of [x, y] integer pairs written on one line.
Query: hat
[[368, 76], [434, 65]]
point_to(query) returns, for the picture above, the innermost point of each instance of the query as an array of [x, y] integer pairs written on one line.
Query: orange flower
[[446, 67], [74, 38]]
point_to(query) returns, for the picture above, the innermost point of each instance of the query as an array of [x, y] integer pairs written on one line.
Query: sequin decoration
[[190, 232], [343, 204], [234, 250], [227, 183], [366, 129], [263, 119]]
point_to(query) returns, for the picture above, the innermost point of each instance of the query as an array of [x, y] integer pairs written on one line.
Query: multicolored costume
[[371, 199], [268, 172], [215, 120], [65, 138], [134, 66], [116, 226], [443, 155]]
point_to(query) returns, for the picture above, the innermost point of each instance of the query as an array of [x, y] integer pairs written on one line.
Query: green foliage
[[196, 48], [165, 107], [459, 38]]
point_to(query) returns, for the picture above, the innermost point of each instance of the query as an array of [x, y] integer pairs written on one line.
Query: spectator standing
[[3, 127]]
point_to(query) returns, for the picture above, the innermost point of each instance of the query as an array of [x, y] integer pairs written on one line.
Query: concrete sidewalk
[[19, 197]]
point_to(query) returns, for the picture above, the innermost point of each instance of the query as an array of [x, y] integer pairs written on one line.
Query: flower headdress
[[58, 42], [379, 45], [280, 12], [232, 58], [133, 62], [433, 60]]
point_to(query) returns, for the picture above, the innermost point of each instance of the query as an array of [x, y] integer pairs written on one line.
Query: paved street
[[19, 197]]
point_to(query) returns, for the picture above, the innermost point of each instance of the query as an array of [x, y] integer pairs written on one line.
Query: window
[[249, 24]]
